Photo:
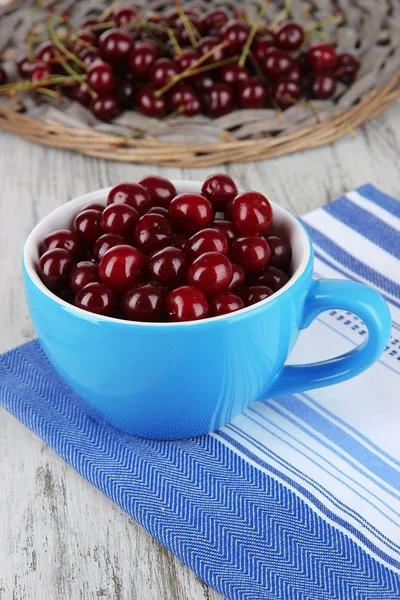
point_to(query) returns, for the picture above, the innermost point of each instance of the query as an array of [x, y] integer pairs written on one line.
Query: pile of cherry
[[154, 255], [181, 62]]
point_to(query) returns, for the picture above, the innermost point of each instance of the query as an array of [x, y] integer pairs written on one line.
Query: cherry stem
[[282, 15], [188, 25], [34, 13], [256, 66], [215, 65], [99, 26], [253, 31], [26, 86], [57, 42], [104, 16], [80, 78], [53, 93]]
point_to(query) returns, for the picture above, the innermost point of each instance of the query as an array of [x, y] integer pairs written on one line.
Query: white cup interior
[[284, 225]]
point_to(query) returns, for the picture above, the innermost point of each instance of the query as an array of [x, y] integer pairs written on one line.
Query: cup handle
[[366, 303]]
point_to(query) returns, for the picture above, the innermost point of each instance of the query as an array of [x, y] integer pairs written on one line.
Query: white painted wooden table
[[60, 538]]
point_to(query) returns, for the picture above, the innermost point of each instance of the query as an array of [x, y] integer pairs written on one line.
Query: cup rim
[[68, 210]]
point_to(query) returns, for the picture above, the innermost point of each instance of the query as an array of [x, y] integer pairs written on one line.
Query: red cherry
[[115, 45], [219, 100], [88, 22], [119, 219], [235, 34], [255, 293], [225, 303], [215, 19], [251, 213], [261, 46], [94, 206], [347, 68], [228, 211], [125, 14], [182, 33], [295, 74], [146, 302], [204, 82], [104, 243], [160, 34], [187, 59], [126, 92], [234, 74], [289, 36], [96, 298], [162, 71], [45, 51], [280, 253], [152, 232], [168, 266], [80, 93], [211, 273], [252, 93], [122, 267], [101, 77], [186, 303], [173, 15], [160, 189], [40, 71], [206, 240], [61, 238], [276, 63], [158, 210], [190, 212], [238, 280], [133, 194], [184, 97], [87, 226], [82, 39], [55, 266], [219, 189], [322, 86], [322, 57], [272, 277], [286, 93], [148, 104], [143, 55], [208, 43], [105, 108], [89, 55], [180, 240], [83, 273], [251, 253], [24, 66], [225, 227]]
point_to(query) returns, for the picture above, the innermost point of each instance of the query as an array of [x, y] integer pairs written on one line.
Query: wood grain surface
[[60, 538]]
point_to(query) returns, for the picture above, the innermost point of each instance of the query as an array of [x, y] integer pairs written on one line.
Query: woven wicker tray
[[370, 29]]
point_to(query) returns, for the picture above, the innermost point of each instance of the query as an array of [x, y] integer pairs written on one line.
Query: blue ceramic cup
[[178, 380]]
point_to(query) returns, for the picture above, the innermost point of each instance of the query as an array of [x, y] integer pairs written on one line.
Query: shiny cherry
[[80, 93], [148, 104], [143, 55], [190, 212], [322, 57], [88, 22], [160, 189], [133, 194], [168, 266], [225, 303], [152, 232], [146, 303], [286, 93], [252, 93], [55, 266], [289, 36], [225, 227], [24, 65], [207, 44], [233, 74], [255, 293], [280, 253], [251, 253], [83, 39], [251, 213], [181, 30], [238, 280], [295, 74], [89, 55], [61, 238], [276, 63], [206, 240], [105, 108], [126, 92], [101, 77], [87, 226], [96, 298], [122, 268], [187, 58], [235, 34], [125, 14], [215, 19], [185, 99], [46, 51], [322, 86], [94, 205], [40, 71], [115, 45], [105, 242], [119, 219], [346, 68], [219, 100], [162, 71], [271, 277], [83, 273], [261, 46], [219, 189], [204, 81], [186, 303], [158, 210], [180, 240], [211, 273]]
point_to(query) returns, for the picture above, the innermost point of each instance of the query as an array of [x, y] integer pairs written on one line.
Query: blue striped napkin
[[299, 497]]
